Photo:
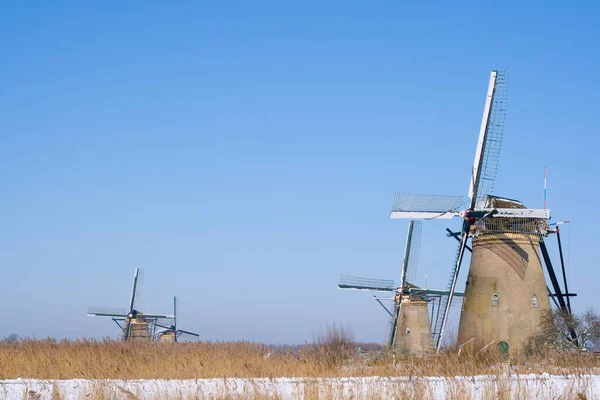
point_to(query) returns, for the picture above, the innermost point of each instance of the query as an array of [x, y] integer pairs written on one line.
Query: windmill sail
[[426, 206], [138, 277], [106, 312], [369, 284], [494, 132], [414, 246], [182, 332]]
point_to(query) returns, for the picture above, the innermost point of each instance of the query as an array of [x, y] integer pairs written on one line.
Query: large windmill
[[135, 325], [505, 290], [170, 333], [410, 325]]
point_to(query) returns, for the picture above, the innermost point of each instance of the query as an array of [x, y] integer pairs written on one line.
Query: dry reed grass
[[89, 359]]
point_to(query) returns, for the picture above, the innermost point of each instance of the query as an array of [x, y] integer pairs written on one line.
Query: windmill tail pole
[[384, 307], [552, 297], [562, 265], [557, 291], [553, 278]]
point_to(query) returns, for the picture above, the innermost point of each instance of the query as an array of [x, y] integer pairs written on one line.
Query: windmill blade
[[411, 256], [446, 301], [157, 316], [175, 312], [425, 206], [407, 249], [134, 289], [435, 292], [487, 154], [139, 293], [107, 312], [187, 333], [165, 321], [369, 284]]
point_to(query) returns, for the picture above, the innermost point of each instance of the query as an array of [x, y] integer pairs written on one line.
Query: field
[[82, 359], [211, 370]]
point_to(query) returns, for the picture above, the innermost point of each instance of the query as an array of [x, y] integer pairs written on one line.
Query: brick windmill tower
[[505, 290]]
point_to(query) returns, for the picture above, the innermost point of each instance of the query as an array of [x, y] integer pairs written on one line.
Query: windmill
[[505, 290], [410, 325], [170, 333], [135, 325]]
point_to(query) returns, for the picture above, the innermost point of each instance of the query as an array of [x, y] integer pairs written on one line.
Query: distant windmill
[[506, 290], [410, 325], [170, 334], [135, 325]]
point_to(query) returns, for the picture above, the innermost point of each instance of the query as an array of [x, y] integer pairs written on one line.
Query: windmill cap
[[490, 201]]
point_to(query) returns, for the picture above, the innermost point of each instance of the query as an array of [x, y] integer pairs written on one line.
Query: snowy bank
[[468, 387]]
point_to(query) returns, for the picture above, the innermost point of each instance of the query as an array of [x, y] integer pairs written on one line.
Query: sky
[[245, 154]]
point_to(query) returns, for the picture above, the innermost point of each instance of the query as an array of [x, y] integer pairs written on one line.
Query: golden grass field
[[89, 359]]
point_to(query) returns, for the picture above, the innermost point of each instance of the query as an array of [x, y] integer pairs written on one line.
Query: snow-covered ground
[[542, 386]]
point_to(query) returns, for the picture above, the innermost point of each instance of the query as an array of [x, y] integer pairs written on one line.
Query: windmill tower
[[170, 334], [506, 287], [135, 325], [409, 328], [506, 290]]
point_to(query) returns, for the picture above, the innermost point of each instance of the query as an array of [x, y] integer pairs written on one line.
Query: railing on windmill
[[524, 226]]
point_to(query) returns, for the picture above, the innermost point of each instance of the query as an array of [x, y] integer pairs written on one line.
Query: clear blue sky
[[246, 153]]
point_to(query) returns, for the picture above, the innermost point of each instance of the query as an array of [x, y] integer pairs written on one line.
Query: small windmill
[[170, 333], [135, 325], [506, 290], [410, 325]]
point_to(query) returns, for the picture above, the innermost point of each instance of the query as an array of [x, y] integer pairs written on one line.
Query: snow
[[474, 387]]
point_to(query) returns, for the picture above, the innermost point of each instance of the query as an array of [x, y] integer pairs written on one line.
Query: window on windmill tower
[[407, 330], [495, 299], [534, 301]]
